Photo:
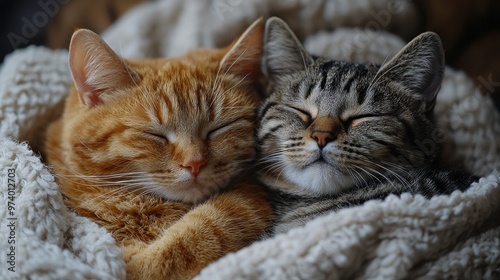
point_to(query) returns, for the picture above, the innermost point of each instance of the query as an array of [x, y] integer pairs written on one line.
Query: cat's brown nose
[[194, 166], [322, 137], [324, 130]]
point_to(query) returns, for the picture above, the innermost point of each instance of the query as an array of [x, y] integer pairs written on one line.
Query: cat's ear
[[243, 56], [96, 68], [419, 66], [283, 53]]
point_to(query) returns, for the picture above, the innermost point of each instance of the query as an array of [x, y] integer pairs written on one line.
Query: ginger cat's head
[[179, 128]]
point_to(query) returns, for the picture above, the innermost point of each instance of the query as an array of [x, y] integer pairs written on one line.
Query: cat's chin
[[319, 178], [188, 191]]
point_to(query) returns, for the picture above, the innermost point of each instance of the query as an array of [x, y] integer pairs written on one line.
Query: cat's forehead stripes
[[180, 97], [178, 86], [330, 87]]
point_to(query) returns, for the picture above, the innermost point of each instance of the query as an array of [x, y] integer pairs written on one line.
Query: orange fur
[[142, 144]]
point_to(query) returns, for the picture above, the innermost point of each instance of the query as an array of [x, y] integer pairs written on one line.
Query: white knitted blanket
[[405, 237]]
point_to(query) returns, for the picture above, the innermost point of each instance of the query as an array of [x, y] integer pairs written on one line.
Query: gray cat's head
[[330, 125]]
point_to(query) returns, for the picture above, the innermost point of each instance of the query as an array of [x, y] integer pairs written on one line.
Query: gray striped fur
[[334, 134]]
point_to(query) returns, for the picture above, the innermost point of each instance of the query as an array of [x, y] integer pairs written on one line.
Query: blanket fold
[[407, 237]]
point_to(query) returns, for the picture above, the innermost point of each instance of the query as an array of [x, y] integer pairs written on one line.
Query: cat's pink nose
[[194, 166], [322, 137]]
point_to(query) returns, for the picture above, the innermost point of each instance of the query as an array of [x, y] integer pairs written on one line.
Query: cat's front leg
[[225, 223], [130, 250]]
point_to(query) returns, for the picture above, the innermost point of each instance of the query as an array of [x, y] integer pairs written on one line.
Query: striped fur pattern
[[154, 149], [334, 134]]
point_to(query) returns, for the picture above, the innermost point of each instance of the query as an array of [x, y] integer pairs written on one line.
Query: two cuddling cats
[[159, 151]]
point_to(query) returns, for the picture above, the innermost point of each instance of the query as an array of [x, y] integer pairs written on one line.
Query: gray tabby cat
[[335, 134]]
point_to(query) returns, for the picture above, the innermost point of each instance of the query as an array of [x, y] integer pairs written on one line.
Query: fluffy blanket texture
[[454, 236]]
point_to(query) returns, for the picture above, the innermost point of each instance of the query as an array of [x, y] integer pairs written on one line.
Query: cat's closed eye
[[354, 120], [303, 114], [157, 136], [225, 127]]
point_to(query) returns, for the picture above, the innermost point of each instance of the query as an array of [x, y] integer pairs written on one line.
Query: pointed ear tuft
[[244, 55], [419, 66], [283, 53], [95, 68]]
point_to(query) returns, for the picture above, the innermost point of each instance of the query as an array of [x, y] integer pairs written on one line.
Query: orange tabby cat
[[142, 144]]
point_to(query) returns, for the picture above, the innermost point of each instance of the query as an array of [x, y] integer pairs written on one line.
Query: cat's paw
[[134, 265], [129, 251]]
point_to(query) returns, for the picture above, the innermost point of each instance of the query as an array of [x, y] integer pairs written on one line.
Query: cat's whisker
[[238, 107], [356, 176], [273, 154], [218, 86], [378, 77], [102, 180], [398, 177], [112, 193], [98, 178], [122, 58], [279, 174], [269, 160], [125, 182], [151, 105], [391, 170], [396, 166], [387, 180], [112, 181], [85, 145], [271, 168], [236, 60], [354, 167], [236, 84], [114, 175], [370, 174], [73, 172], [215, 82], [102, 183], [378, 165]]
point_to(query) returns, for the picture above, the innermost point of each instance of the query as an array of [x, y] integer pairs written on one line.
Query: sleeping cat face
[[329, 125], [179, 128]]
